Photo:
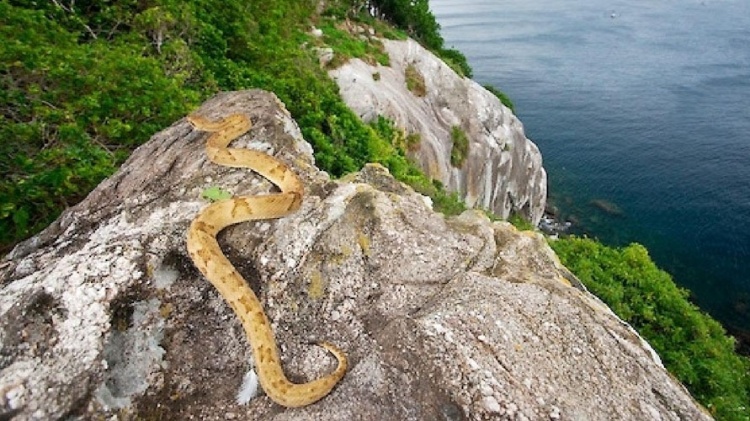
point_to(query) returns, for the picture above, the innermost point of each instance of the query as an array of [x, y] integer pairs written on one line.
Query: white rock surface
[[503, 172], [104, 316]]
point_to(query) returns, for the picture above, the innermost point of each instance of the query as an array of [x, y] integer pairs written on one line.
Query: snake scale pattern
[[205, 252]]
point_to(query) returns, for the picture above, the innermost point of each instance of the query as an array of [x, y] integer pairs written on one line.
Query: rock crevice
[[104, 315], [502, 171]]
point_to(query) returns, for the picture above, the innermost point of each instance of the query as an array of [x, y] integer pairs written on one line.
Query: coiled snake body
[[209, 259]]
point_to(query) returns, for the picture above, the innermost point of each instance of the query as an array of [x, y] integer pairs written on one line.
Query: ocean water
[[641, 107]]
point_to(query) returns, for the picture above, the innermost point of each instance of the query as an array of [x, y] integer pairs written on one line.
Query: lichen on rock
[[104, 316], [502, 171]]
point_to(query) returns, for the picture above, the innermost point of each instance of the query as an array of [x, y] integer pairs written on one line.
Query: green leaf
[[216, 194], [21, 219]]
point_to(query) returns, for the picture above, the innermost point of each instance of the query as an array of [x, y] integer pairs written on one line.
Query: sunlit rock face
[[503, 169], [104, 316]]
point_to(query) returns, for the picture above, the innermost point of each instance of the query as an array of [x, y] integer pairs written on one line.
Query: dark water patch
[[649, 109], [609, 208]]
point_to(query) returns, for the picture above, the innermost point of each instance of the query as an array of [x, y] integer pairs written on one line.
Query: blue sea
[[642, 106]]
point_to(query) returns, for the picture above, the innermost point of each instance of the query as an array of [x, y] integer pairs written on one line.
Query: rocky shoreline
[[551, 225]]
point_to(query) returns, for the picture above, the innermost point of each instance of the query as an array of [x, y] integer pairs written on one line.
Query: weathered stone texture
[[104, 316], [503, 171]]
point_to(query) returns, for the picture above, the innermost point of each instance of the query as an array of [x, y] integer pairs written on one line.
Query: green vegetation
[[515, 219], [415, 81], [83, 84], [693, 346], [70, 112], [398, 143], [356, 11], [456, 61], [447, 203], [216, 194], [520, 222], [414, 17], [504, 99], [460, 149], [346, 43], [397, 138]]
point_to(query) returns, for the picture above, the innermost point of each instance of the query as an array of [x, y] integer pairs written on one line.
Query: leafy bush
[[347, 45], [456, 61], [400, 140], [520, 222], [446, 203], [394, 158], [71, 111], [415, 81], [504, 99], [412, 16], [693, 346], [87, 82], [460, 149]]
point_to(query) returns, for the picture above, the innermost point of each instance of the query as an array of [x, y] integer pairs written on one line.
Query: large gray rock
[[503, 172], [103, 315]]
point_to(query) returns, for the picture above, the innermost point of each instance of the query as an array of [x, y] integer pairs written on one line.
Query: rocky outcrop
[[503, 170], [103, 315]]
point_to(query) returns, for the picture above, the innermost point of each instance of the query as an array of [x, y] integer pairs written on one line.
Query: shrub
[[504, 99], [460, 149], [416, 20], [413, 16], [456, 61], [415, 81], [73, 108], [520, 222], [347, 45], [693, 346]]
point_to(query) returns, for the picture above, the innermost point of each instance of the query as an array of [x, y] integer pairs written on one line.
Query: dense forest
[[84, 83]]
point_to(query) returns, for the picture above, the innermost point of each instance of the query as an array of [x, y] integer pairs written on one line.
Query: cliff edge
[[502, 170], [104, 315]]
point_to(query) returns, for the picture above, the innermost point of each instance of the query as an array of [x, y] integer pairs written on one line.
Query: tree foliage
[[83, 83], [460, 148], [414, 17], [72, 105], [504, 99], [693, 346]]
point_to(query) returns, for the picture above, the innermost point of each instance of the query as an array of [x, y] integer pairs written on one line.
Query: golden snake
[[209, 259]]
